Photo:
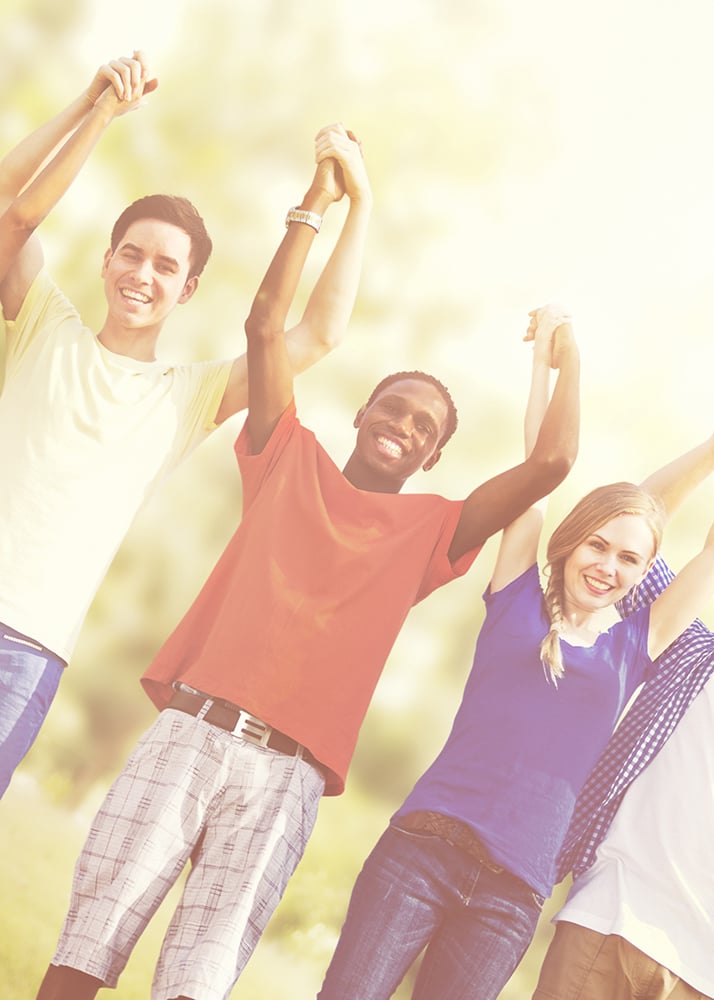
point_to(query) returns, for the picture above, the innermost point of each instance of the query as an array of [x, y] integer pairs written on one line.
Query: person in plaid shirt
[[639, 919]]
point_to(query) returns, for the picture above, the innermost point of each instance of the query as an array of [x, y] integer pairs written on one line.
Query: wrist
[[316, 199], [103, 111]]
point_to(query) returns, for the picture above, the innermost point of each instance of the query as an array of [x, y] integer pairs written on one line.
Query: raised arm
[[330, 305], [499, 501], [270, 374], [683, 600], [116, 88], [518, 547], [676, 480]]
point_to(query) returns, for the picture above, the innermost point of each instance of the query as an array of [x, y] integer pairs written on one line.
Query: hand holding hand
[[564, 345], [335, 142], [122, 84], [544, 322]]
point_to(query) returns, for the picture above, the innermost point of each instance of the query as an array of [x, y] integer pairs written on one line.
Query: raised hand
[[544, 322], [122, 83], [335, 142]]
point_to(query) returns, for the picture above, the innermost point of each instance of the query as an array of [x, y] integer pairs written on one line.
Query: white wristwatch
[[300, 215]]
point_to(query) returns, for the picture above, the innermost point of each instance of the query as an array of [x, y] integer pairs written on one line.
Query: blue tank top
[[520, 749]]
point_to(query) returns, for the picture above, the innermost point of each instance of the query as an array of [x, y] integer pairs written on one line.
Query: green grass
[[39, 844]]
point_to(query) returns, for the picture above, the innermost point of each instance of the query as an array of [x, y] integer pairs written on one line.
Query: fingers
[[543, 324], [129, 77], [336, 142]]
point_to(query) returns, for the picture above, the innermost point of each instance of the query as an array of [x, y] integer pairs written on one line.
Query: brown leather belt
[[453, 831], [236, 720]]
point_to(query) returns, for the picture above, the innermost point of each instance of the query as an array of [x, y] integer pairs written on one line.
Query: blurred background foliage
[[518, 153]]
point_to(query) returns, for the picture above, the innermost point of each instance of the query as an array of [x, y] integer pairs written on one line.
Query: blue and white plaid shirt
[[682, 671]]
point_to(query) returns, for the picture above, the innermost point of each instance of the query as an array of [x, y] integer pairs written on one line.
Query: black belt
[[236, 720], [453, 831]]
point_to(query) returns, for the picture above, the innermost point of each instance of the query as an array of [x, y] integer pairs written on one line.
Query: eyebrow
[[169, 261], [424, 414], [629, 552]]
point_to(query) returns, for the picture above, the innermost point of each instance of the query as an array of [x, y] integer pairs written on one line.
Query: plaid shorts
[[241, 813]]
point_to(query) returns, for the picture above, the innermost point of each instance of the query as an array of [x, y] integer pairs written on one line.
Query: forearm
[[330, 305], [557, 440], [537, 404], [20, 165], [674, 482], [39, 198], [277, 289], [686, 598]]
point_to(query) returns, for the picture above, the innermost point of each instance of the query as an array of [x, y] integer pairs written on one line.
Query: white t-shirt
[[85, 435], [652, 882]]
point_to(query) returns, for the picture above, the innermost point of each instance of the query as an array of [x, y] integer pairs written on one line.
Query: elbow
[[328, 337], [261, 326], [552, 469], [19, 217]]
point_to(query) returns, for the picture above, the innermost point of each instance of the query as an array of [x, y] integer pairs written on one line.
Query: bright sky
[[607, 204]]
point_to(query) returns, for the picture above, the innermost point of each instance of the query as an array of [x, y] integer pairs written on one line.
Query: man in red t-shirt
[[264, 683]]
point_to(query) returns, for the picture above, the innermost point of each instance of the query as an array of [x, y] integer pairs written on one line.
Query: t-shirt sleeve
[[44, 309], [641, 596], [202, 388], [255, 467], [525, 587], [440, 569]]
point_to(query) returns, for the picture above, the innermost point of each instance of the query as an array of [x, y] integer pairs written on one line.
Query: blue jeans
[[29, 676], [417, 891]]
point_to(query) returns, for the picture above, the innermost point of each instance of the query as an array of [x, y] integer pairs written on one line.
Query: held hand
[[544, 321], [564, 346], [329, 178], [126, 79], [337, 143]]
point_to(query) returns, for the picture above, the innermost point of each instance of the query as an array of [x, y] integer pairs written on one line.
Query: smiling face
[[146, 276], [397, 434], [608, 563]]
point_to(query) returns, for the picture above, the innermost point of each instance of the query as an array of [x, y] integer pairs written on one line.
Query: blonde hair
[[595, 509]]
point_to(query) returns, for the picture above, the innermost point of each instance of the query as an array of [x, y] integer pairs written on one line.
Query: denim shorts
[[29, 677]]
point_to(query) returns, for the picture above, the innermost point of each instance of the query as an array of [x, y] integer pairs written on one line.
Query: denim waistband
[[7, 632]]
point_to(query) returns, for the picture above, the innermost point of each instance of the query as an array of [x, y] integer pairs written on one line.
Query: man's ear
[[358, 419], [188, 289], [105, 263], [431, 462]]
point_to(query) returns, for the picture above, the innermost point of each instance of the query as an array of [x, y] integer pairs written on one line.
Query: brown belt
[[236, 720], [453, 831]]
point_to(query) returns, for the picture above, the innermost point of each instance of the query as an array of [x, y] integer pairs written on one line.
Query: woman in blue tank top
[[467, 861]]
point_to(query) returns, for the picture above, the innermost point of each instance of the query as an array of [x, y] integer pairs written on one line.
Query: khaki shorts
[[584, 965]]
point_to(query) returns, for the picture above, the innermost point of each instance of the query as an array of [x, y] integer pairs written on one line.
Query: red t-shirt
[[298, 617]]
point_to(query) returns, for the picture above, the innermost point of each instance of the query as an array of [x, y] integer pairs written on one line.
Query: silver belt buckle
[[180, 686], [251, 729]]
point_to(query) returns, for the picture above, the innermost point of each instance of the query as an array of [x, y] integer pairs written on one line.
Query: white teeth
[[598, 584], [135, 296], [391, 446]]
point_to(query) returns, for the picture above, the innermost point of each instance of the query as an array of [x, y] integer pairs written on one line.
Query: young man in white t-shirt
[[90, 422]]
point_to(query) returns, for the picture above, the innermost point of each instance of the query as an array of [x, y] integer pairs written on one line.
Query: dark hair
[[452, 418], [175, 210]]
